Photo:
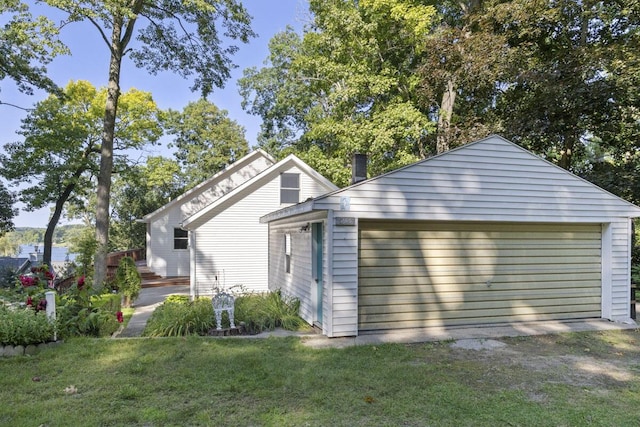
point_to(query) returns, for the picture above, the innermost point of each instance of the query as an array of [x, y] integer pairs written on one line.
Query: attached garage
[[483, 234], [422, 274]]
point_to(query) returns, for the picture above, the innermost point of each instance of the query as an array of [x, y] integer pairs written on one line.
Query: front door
[[316, 262]]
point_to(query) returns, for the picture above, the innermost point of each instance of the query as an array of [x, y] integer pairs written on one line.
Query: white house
[[486, 233], [212, 232]]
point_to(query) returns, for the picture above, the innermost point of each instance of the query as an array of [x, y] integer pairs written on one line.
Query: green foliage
[[348, 85], [27, 44], [84, 244], [137, 192], [80, 313], [7, 210], [24, 326], [206, 139], [179, 318], [128, 280], [267, 311]]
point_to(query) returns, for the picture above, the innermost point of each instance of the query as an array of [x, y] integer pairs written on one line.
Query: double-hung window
[[289, 188], [180, 238]]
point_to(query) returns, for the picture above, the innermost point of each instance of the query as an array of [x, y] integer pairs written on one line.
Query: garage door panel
[[466, 259], [558, 279], [507, 297], [477, 320], [481, 273], [448, 273]]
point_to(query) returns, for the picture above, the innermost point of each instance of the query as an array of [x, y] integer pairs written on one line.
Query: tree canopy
[[405, 79], [347, 85], [27, 45], [206, 140], [188, 38], [58, 159]]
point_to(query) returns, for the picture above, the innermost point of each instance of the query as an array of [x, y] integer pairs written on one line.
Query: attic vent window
[[180, 238], [290, 188]]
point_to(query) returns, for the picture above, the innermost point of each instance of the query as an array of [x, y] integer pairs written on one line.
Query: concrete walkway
[[148, 300]]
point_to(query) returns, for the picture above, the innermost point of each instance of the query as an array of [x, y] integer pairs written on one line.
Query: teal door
[[316, 262]]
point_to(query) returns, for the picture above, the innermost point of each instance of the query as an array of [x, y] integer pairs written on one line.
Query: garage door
[[417, 274]]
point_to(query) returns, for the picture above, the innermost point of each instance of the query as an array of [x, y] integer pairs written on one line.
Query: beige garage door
[[421, 274]]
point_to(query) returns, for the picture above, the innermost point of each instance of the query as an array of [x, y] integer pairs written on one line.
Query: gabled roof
[[249, 186], [17, 265], [493, 168], [215, 179]]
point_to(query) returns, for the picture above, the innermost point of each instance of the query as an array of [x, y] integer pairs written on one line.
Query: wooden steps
[[151, 280]]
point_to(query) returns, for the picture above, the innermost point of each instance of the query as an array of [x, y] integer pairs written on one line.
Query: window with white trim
[[289, 188], [180, 238]]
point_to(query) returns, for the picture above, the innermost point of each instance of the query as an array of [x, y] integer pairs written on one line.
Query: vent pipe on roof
[[358, 167]]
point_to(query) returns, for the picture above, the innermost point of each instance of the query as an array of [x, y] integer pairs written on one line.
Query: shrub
[[24, 326], [179, 317], [81, 313], [268, 311], [128, 280]]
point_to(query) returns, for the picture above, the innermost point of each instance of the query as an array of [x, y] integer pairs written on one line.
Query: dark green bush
[[24, 326]]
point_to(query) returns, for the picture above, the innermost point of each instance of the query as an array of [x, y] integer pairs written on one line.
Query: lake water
[[58, 253]]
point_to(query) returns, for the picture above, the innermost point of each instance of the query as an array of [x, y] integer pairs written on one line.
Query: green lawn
[[565, 380]]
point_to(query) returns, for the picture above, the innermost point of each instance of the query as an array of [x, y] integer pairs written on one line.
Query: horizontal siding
[[233, 245], [345, 281], [620, 270], [297, 283], [427, 274], [492, 180], [163, 259]]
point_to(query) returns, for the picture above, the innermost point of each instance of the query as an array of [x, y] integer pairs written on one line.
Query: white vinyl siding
[[491, 181], [297, 283], [442, 274], [344, 270], [163, 258], [232, 247], [231, 242]]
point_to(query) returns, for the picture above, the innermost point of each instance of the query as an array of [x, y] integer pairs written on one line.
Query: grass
[[200, 381]]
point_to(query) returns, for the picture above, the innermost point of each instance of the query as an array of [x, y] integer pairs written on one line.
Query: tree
[[7, 211], [58, 155], [348, 85], [180, 36], [27, 44], [463, 63], [143, 189], [206, 139]]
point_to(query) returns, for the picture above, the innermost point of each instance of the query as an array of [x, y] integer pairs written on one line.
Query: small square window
[[180, 238], [289, 188]]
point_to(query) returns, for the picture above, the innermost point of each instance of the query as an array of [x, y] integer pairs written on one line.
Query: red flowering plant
[[33, 285]]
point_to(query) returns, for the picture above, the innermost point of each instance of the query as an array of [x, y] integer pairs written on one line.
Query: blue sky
[[89, 60]]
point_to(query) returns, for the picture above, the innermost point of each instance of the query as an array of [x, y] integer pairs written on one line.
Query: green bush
[[128, 280], [24, 326], [268, 311], [179, 318], [79, 313]]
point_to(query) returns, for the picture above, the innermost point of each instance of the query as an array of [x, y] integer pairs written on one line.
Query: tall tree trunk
[[444, 118], [53, 222], [106, 156]]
